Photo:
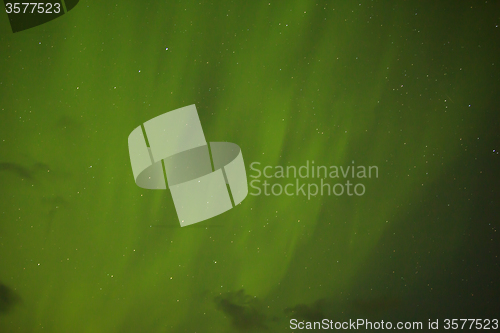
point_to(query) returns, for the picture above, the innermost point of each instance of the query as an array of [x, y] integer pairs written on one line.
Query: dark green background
[[411, 87]]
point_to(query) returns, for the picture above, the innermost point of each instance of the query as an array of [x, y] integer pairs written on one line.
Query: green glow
[[334, 82]]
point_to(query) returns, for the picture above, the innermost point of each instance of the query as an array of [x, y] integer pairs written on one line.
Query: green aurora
[[408, 87]]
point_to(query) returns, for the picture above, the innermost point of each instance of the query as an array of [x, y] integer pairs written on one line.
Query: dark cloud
[[312, 312], [16, 169], [8, 299], [33, 173], [245, 312], [43, 175]]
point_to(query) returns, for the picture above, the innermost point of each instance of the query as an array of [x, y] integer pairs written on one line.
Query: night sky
[[409, 87]]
